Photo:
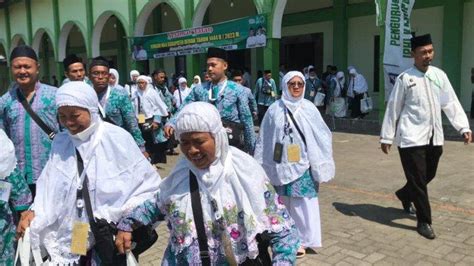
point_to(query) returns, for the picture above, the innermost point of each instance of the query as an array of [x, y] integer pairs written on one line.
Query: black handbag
[[104, 231], [235, 133]]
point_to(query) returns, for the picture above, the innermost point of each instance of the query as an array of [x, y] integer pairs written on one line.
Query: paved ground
[[362, 220]]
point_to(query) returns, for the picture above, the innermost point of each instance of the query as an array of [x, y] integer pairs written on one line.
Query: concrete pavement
[[362, 221]]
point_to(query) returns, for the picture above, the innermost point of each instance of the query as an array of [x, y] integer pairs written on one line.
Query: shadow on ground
[[375, 213]]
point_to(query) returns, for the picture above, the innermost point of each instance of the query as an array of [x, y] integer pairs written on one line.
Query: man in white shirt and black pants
[[413, 121]]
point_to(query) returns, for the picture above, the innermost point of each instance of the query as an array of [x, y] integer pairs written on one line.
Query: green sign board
[[242, 33]]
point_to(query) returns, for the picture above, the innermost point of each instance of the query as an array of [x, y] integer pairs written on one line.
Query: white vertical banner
[[397, 52]]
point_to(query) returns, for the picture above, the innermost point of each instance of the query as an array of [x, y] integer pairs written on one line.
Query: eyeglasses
[[295, 84], [100, 73]]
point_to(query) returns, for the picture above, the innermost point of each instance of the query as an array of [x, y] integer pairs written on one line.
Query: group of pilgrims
[[79, 186]]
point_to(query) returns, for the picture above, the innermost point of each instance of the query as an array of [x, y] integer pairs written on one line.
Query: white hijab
[[7, 156], [357, 83], [340, 81], [318, 154], [134, 73], [234, 180], [120, 177], [114, 72], [150, 100]]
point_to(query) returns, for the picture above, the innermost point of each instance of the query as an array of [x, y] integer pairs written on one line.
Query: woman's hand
[[123, 241], [25, 221]]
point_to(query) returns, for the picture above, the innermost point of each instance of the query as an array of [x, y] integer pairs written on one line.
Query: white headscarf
[[119, 177], [7, 156], [196, 84], [340, 81], [134, 73], [114, 72], [151, 103], [234, 180], [357, 83], [317, 154], [291, 102]]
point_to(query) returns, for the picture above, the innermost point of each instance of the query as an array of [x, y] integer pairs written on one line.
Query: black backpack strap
[[199, 220], [51, 134], [297, 127]]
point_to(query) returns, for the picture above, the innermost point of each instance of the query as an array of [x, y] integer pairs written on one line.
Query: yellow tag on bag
[[294, 153], [141, 118], [80, 233]]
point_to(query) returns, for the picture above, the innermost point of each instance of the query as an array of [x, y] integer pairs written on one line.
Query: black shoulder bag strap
[[297, 127], [51, 134], [85, 189], [199, 220]]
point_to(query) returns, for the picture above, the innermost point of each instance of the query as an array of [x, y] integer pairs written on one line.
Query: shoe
[[407, 205], [301, 252], [425, 230]]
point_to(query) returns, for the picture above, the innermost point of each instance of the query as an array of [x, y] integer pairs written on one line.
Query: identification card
[[80, 233], [5, 190], [141, 118], [312, 94], [278, 152], [273, 94], [294, 153]]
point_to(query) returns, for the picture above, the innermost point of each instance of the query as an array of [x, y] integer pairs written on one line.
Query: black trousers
[[420, 165], [262, 109], [355, 107], [472, 105]]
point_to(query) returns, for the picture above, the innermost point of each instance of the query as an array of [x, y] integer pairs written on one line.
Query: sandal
[[300, 253]]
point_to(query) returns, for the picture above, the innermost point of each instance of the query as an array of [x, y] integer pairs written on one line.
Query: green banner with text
[[242, 33]]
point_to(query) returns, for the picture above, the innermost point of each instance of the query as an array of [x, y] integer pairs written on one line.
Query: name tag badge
[[294, 153], [273, 94], [141, 118], [5, 190], [278, 152], [80, 234], [312, 94]]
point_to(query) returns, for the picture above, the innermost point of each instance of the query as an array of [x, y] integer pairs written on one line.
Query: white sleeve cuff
[[386, 141]]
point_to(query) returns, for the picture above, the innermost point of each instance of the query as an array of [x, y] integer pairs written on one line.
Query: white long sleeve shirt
[[413, 112]]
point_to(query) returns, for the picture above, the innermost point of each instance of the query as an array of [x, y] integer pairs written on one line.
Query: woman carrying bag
[[295, 149], [217, 202], [95, 174]]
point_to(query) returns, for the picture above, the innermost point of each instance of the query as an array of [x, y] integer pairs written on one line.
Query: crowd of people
[[77, 175]]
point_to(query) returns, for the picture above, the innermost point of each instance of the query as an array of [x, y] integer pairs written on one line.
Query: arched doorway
[[108, 40], [71, 41], [44, 47], [17, 40], [157, 17], [4, 72]]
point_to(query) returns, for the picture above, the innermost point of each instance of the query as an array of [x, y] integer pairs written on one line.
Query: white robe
[[151, 103], [120, 178]]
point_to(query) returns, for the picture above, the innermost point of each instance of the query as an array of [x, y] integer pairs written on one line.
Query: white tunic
[[184, 93], [413, 112]]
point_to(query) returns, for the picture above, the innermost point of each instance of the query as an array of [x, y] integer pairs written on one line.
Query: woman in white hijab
[[356, 91], [196, 81], [238, 204], [131, 86], [15, 196], [295, 149], [181, 92], [118, 177], [150, 111], [337, 102], [114, 78]]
